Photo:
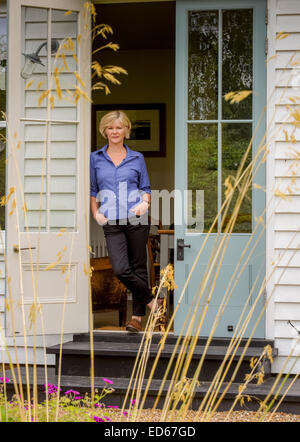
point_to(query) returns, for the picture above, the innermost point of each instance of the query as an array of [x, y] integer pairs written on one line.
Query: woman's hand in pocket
[[140, 209], [100, 218]]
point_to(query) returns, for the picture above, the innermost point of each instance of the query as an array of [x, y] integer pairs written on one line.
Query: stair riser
[[114, 366], [117, 398]]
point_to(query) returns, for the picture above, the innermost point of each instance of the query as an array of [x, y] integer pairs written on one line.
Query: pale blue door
[[220, 48]]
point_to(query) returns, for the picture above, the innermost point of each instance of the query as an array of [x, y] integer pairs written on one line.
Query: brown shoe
[[134, 326]]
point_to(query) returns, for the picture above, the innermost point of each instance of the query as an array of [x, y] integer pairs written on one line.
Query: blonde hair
[[110, 117]]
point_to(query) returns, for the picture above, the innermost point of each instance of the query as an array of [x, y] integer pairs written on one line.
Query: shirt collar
[[130, 152]]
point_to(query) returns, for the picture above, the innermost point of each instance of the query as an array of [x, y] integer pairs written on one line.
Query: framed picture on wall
[[148, 132]]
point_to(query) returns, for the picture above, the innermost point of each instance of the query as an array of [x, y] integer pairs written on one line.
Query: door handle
[[16, 248], [180, 249]]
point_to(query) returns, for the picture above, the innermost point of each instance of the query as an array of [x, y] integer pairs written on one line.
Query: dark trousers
[[126, 245]]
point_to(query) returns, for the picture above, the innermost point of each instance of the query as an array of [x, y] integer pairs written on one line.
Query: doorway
[[145, 33]]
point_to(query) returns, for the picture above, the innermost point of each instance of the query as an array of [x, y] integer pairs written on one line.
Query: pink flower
[[72, 392], [98, 419], [4, 380], [107, 381], [107, 418], [51, 389]]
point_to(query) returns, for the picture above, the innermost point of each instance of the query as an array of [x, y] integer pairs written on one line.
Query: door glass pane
[[237, 66], [203, 168], [203, 65], [219, 148], [235, 140], [50, 148], [64, 29], [34, 76]]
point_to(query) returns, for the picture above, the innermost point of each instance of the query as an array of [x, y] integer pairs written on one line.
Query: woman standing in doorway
[[120, 183]]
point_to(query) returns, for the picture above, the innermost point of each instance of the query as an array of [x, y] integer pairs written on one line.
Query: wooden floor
[[109, 320]]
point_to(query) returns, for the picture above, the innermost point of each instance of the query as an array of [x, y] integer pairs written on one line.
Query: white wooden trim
[[112, 2], [2, 242], [39, 120], [282, 236], [74, 5], [270, 167]]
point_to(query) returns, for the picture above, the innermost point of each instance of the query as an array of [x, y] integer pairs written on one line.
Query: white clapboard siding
[[50, 158], [282, 131], [284, 113], [284, 176], [287, 7], [286, 168], [290, 296], [2, 288], [282, 220], [286, 95], [287, 59], [287, 240], [287, 204], [291, 43]]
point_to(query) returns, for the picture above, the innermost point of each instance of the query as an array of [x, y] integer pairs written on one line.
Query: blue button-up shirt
[[118, 188]]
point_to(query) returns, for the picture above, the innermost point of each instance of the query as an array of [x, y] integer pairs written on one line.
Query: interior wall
[[146, 36], [149, 80]]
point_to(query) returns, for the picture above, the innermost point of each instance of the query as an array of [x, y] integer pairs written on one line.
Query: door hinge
[[267, 16], [266, 46]]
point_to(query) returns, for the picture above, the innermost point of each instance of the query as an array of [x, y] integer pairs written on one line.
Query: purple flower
[[98, 419], [72, 392], [108, 381], [125, 413], [133, 401], [112, 406], [4, 380], [77, 398], [51, 389], [107, 418]]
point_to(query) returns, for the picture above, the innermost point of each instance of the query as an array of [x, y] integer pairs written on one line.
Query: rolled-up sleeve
[[144, 184], [93, 179]]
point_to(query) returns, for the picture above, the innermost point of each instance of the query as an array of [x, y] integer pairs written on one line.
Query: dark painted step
[[119, 336], [82, 384], [115, 354]]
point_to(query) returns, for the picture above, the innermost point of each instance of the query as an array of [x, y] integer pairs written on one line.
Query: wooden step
[[82, 384], [115, 355], [121, 336]]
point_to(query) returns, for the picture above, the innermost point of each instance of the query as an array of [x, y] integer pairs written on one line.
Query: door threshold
[[124, 331]]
